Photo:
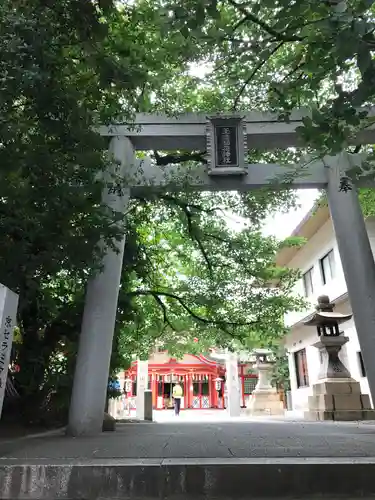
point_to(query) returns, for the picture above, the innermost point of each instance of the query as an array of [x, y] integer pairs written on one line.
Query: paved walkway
[[205, 437], [205, 416]]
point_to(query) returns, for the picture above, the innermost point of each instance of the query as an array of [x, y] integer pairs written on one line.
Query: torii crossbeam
[[264, 131]]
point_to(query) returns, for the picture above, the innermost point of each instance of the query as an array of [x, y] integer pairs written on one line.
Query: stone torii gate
[[225, 138]]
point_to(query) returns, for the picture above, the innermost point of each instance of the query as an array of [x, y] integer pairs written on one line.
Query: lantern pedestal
[[265, 399], [265, 403], [336, 396]]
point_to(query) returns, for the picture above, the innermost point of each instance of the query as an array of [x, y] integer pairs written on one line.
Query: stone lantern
[[330, 341], [265, 399], [335, 396]]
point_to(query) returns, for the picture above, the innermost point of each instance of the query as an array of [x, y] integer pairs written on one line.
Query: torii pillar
[[233, 386], [95, 341], [356, 257]]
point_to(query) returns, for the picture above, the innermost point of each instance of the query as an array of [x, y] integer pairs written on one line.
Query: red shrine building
[[201, 377]]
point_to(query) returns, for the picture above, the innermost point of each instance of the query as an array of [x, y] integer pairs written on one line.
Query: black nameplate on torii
[[226, 145], [226, 149]]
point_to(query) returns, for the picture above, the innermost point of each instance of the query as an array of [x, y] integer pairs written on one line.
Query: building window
[[362, 369], [327, 267], [249, 384], [300, 362], [308, 282]]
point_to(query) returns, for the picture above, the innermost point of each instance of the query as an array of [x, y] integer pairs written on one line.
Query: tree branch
[[183, 204], [185, 207], [254, 72], [293, 70], [250, 17], [194, 237], [194, 315], [164, 309], [163, 160], [294, 27]]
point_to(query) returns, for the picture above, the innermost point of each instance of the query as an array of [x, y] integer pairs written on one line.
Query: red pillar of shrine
[[188, 384], [242, 387], [154, 389], [185, 391], [213, 391]]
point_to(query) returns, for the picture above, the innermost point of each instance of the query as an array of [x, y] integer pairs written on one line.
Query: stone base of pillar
[[265, 403], [148, 406], [109, 423], [334, 399]]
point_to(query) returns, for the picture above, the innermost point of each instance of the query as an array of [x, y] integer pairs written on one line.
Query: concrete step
[[175, 479]]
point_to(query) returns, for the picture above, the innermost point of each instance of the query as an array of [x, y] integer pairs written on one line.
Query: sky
[[282, 225]]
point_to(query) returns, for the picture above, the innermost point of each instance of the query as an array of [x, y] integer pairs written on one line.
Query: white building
[[319, 261]]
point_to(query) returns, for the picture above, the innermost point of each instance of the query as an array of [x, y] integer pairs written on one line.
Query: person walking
[[177, 395]]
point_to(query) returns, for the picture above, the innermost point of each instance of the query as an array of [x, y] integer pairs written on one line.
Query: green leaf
[[200, 13], [213, 11], [307, 121], [364, 59], [317, 116], [185, 31], [180, 12]]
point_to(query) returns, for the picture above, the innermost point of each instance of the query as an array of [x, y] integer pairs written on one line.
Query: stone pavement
[[209, 415], [197, 456], [210, 438], [205, 416]]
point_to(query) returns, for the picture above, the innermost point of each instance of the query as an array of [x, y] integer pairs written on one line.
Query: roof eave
[[308, 227]]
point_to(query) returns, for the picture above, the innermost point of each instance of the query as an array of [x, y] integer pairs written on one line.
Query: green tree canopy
[[282, 55], [205, 280]]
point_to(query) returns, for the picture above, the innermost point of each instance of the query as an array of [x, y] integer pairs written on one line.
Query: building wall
[[301, 336], [308, 257]]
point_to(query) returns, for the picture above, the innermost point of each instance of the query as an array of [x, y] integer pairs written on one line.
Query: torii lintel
[[264, 131]]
